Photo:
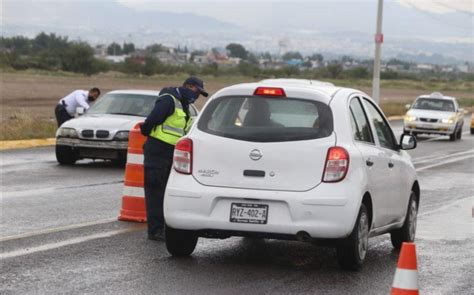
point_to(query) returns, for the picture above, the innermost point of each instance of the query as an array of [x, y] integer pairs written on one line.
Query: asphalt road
[[59, 234]]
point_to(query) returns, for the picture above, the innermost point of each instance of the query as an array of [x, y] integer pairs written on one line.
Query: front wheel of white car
[[352, 255], [65, 155], [407, 232], [180, 242]]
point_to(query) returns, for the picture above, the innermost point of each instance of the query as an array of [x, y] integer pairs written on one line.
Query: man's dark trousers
[[156, 178], [61, 114]]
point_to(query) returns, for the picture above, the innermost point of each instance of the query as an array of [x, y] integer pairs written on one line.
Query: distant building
[[115, 58], [425, 67]]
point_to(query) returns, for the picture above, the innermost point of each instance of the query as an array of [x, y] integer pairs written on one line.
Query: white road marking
[[444, 136], [57, 229], [74, 241], [439, 156], [442, 208], [445, 162], [43, 191]]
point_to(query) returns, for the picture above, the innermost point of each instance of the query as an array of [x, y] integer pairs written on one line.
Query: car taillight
[[270, 91], [337, 164], [183, 156]]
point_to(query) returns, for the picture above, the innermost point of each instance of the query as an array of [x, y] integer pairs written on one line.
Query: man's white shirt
[[75, 99]]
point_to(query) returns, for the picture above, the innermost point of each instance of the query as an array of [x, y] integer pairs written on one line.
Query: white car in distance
[[434, 114], [292, 159]]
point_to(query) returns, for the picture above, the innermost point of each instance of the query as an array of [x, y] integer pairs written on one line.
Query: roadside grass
[[27, 98], [394, 108], [24, 125]]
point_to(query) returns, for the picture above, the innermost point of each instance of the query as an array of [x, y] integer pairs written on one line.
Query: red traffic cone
[[406, 276], [133, 200]]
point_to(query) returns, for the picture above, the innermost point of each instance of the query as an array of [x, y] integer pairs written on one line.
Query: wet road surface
[[59, 234]]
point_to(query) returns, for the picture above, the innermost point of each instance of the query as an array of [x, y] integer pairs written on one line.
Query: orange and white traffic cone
[[133, 200], [406, 276]]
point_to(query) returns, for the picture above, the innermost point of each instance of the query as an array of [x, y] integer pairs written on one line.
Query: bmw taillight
[[337, 164], [183, 156]]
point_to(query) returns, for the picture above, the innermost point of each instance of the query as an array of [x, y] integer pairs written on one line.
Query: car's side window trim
[[371, 133], [396, 147]]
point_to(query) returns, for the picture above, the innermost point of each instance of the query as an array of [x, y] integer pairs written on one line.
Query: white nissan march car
[[292, 159]]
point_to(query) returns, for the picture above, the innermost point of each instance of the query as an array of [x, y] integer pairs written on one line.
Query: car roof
[[133, 91], [437, 95], [292, 87]]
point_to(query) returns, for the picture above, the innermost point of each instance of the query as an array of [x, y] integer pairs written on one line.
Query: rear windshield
[[264, 119], [434, 104]]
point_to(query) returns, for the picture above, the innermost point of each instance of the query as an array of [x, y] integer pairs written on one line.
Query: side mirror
[[407, 106], [407, 142]]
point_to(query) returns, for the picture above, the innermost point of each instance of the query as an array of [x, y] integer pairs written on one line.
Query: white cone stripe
[[135, 159], [133, 191], [406, 279]]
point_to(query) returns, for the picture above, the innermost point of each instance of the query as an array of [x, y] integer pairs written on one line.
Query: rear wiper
[[126, 114]]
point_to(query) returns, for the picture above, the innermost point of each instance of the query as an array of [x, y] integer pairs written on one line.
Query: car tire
[[180, 242], [472, 130], [407, 232], [352, 253], [452, 137], [66, 155], [121, 161], [459, 135]]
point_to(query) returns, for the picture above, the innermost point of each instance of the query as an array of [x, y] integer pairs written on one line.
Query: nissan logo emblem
[[255, 155]]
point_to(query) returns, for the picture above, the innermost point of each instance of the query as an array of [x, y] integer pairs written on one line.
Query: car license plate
[[425, 126], [248, 213]]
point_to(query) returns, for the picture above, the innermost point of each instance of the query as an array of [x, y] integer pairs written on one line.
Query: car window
[[384, 132], [434, 104], [360, 125], [192, 111], [264, 119], [124, 104]]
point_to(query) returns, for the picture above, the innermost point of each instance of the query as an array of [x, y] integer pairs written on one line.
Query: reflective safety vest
[[174, 127]]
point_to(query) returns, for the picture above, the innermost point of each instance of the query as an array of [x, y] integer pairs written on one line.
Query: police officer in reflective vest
[[166, 124]]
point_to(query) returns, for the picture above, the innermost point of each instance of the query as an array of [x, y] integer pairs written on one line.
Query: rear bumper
[[325, 212], [96, 149]]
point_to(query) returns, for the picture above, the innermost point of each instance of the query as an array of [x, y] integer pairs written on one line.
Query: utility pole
[[378, 45]]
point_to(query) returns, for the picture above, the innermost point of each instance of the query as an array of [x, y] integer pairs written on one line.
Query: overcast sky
[[434, 19], [217, 8]]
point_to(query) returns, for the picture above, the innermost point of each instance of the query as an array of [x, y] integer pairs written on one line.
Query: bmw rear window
[[266, 119]]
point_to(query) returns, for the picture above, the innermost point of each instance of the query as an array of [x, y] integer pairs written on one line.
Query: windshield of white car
[[434, 104], [124, 104], [265, 119]]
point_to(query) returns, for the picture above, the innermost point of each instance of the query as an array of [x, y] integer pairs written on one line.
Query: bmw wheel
[[407, 232], [65, 155], [352, 255]]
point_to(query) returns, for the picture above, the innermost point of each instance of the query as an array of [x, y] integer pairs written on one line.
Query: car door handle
[[390, 165], [369, 163]]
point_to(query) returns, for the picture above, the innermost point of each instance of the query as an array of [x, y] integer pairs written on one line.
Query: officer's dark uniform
[[158, 154]]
